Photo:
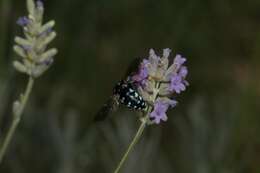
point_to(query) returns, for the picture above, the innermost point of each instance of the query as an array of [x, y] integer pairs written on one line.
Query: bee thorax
[[128, 96]]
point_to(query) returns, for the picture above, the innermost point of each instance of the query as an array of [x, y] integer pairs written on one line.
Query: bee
[[124, 93]]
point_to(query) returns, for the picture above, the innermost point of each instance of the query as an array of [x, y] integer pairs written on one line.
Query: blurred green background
[[214, 129]]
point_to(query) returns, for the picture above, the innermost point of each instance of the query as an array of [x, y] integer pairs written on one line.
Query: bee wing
[[112, 103], [110, 106]]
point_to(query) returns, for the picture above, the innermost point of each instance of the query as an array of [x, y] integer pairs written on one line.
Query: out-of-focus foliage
[[215, 128]]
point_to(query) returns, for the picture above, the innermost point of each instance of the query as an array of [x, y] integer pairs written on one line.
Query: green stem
[[139, 131], [16, 118], [134, 141]]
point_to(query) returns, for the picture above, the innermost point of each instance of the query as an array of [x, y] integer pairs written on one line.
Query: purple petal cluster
[[23, 21], [160, 109], [142, 74], [179, 61], [177, 78]]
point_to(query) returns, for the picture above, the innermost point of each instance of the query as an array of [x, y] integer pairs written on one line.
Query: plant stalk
[[16, 118], [132, 144]]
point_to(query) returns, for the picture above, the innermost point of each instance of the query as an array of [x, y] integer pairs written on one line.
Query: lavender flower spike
[[158, 81], [35, 59], [33, 47]]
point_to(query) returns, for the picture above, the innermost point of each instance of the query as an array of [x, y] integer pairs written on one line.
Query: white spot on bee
[[131, 90], [136, 95], [135, 107]]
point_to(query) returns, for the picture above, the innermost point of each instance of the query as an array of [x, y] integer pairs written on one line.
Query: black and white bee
[[124, 93], [128, 95]]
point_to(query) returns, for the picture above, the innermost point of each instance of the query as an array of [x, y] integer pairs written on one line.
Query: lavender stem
[[132, 144], [16, 119]]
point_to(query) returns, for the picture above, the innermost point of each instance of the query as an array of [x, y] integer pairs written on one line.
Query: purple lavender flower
[[177, 84], [159, 80], [160, 109], [183, 71], [142, 75], [179, 61], [23, 21], [177, 78]]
